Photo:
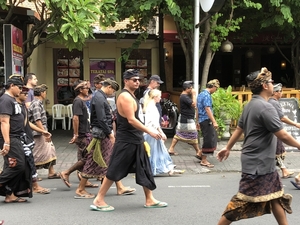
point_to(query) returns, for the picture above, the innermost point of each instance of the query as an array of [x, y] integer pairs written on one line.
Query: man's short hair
[[39, 89], [99, 78], [27, 77]]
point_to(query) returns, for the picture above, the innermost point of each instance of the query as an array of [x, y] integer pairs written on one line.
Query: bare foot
[[65, 176], [125, 191], [83, 193], [99, 203]]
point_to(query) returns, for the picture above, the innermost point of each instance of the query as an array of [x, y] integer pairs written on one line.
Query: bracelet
[[5, 144], [75, 135]]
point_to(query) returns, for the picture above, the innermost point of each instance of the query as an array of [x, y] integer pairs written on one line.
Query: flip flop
[[106, 208], [157, 205], [17, 200], [54, 176], [129, 191], [43, 191], [67, 183], [90, 185], [173, 153], [287, 176], [297, 185], [208, 165], [198, 157], [89, 196]]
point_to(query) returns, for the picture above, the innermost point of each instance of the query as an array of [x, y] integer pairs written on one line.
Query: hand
[[223, 154], [48, 139], [198, 126], [164, 137], [155, 134], [3, 152], [112, 138], [215, 125], [47, 134], [74, 139], [297, 125]]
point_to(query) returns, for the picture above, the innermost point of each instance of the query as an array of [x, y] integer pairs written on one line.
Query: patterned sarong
[[255, 195], [186, 131]]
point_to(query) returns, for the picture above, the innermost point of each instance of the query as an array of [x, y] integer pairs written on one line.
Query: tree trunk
[[208, 59], [209, 54]]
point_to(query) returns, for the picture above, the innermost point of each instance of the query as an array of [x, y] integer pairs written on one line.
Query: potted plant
[[226, 109]]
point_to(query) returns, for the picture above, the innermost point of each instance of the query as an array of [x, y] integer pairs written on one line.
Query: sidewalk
[[67, 156]]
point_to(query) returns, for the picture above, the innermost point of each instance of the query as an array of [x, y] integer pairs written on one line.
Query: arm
[[5, 126], [224, 153], [194, 98], [286, 120], [211, 116], [36, 128], [284, 136], [127, 106], [75, 122]]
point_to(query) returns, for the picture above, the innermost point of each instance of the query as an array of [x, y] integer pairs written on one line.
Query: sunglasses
[[135, 79], [270, 81], [19, 86], [279, 91], [24, 93]]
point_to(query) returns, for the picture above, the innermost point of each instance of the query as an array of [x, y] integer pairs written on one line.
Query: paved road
[[192, 198]]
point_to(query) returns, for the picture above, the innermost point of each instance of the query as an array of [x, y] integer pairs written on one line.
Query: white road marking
[[190, 186]]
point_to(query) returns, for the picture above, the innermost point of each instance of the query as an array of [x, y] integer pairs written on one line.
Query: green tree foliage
[[68, 22], [280, 17]]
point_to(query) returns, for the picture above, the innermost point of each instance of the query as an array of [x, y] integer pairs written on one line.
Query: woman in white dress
[[160, 159]]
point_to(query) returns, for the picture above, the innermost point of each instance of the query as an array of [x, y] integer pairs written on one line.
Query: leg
[[65, 174], [36, 188], [81, 192], [51, 171], [224, 221], [284, 170], [171, 149], [279, 212], [99, 200], [13, 198], [122, 190], [204, 162], [197, 149], [296, 183], [151, 202]]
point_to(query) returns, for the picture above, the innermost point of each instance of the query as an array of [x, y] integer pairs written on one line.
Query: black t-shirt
[[186, 109], [9, 106], [80, 109]]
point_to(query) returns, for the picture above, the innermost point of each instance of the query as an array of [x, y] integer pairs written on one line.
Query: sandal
[[54, 176], [17, 200], [91, 185], [173, 153], [208, 165], [43, 191]]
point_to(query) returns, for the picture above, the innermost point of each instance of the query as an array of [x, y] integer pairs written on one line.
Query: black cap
[[131, 73], [16, 80], [187, 84], [156, 78]]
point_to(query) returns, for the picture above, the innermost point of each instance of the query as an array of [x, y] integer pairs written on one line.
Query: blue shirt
[[204, 100]]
